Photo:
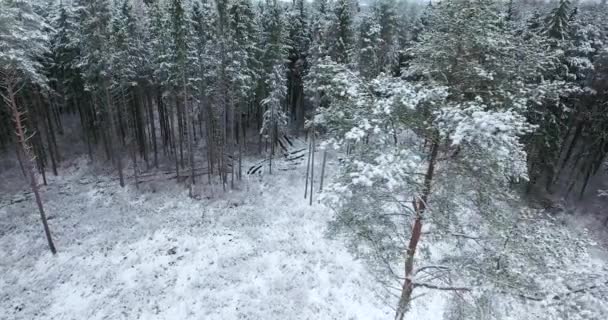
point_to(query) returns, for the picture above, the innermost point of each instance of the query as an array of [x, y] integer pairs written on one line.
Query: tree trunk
[[232, 141], [152, 129], [312, 162], [307, 169], [25, 149], [323, 170], [20, 157], [113, 134], [420, 205], [189, 132], [135, 173]]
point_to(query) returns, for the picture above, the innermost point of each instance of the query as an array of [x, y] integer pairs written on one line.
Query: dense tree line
[[489, 98]]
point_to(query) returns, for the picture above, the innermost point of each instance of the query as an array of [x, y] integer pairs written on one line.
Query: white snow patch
[[124, 254]]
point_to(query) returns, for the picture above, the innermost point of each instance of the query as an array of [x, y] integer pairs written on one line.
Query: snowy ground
[[259, 252], [131, 254]]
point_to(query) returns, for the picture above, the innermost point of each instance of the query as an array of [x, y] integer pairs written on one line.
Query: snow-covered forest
[[324, 159]]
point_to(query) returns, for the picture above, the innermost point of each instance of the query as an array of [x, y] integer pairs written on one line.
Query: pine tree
[[557, 23], [204, 20], [467, 111], [243, 48], [340, 36], [274, 37], [386, 17], [300, 39], [369, 58], [95, 19], [243, 67], [181, 55], [274, 45], [275, 120], [160, 40], [24, 44], [65, 51]]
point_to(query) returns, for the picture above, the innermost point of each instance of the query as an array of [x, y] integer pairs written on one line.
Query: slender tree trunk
[[152, 129], [308, 168], [232, 142], [20, 158], [241, 145], [120, 118], [209, 116], [135, 169], [180, 128], [52, 130], [113, 133], [57, 117], [323, 170], [161, 120], [48, 132], [273, 132], [420, 205], [573, 142], [190, 133], [28, 163], [174, 144], [312, 162], [86, 128]]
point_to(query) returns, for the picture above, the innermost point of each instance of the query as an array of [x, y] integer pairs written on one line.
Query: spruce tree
[[181, 55], [204, 25], [557, 22], [340, 37], [23, 44], [96, 66], [386, 17], [369, 58]]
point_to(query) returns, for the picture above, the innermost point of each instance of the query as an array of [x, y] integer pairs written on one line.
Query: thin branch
[[432, 267], [462, 235], [432, 286]]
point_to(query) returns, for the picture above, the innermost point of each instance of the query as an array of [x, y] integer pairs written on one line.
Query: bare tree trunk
[[241, 135], [307, 169], [312, 161], [222, 154], [272, 136], [135, 173], [174, 146], [190, 133], [323, 170], [420, 205], [28, 163], [49, 135], [180, 127], [20, 158], [210, 134], [152, 128], [114, 133], [232, 142]]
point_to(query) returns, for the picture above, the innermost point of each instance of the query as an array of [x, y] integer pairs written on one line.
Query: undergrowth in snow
[[257, 253]]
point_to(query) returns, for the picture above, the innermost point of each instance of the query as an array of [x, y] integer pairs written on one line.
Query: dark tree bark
[[152, 128], [25, 149], [116, 154], [420, 205], [323, 170]]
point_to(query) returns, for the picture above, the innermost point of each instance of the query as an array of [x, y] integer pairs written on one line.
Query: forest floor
[[257, 252], [154, 253]]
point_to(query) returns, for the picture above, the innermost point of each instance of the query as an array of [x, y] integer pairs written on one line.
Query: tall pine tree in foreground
[[432, 161], [23, 43]]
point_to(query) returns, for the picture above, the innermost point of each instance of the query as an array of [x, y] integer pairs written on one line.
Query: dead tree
[[12, 87]]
